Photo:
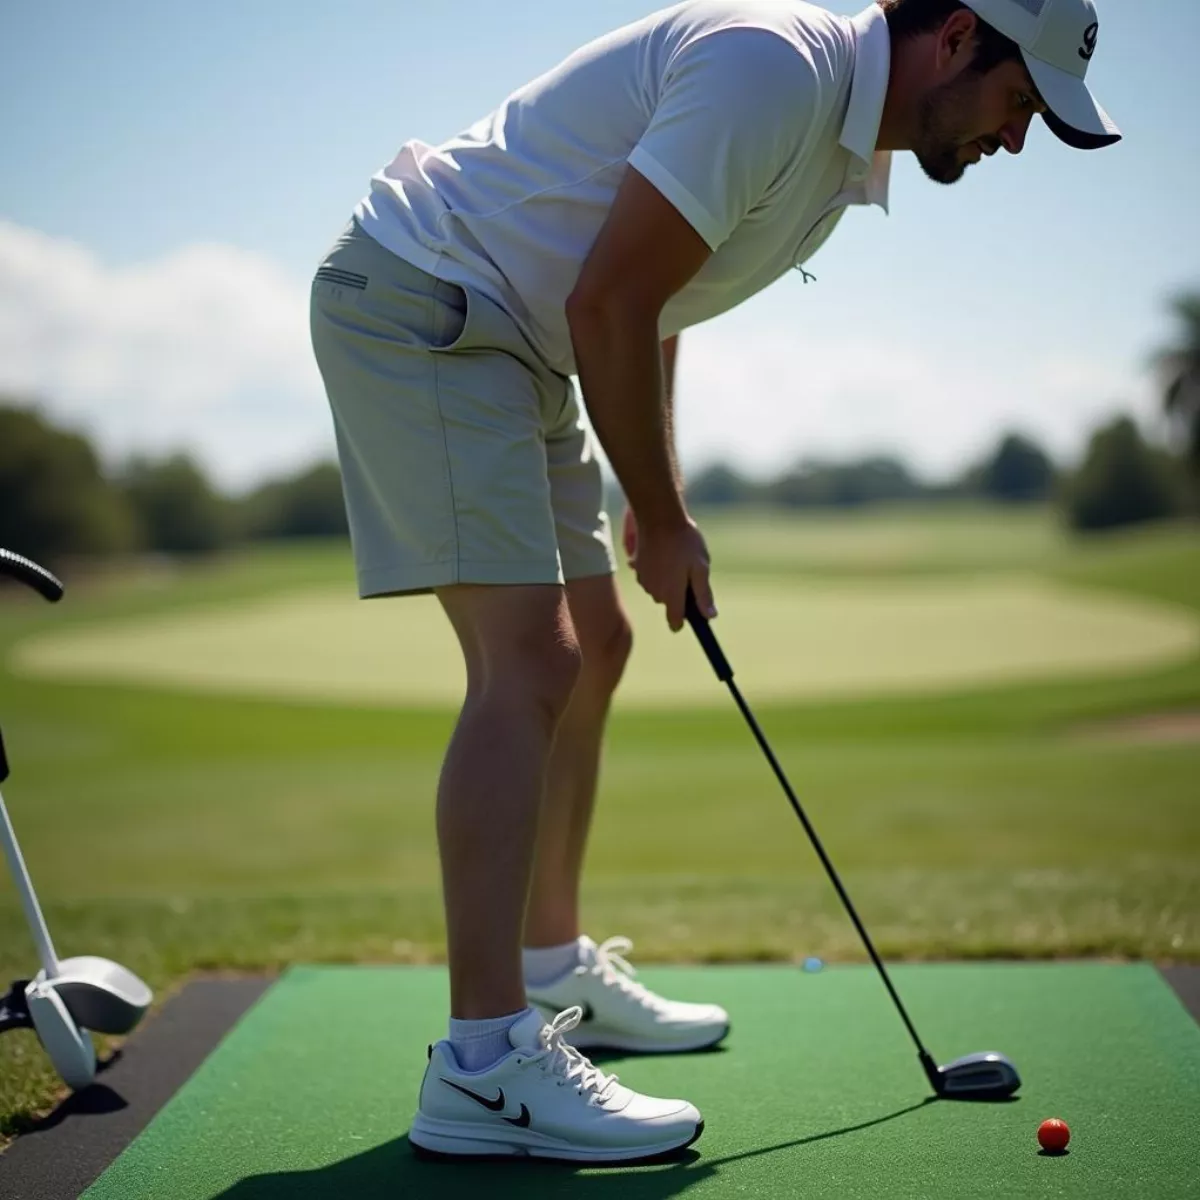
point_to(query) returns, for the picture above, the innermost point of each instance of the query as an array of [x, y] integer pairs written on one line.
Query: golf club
[[983, 1076], [67, 997]]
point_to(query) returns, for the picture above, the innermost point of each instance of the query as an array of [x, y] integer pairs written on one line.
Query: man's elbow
[[591, 308], [581, 308]]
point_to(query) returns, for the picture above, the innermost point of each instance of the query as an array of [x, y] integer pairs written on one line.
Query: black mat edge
[[62, 1156], [1185, 981]]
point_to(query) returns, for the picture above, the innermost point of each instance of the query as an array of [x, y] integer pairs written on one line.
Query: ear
[[955, 46]]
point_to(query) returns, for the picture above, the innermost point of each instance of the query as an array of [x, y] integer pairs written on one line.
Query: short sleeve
[[735, 105]]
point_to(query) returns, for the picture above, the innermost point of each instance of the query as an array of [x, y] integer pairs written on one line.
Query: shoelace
[[616, 969], [560, 1058]]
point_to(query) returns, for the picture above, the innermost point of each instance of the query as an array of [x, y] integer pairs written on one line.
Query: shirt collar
[[868, 90]]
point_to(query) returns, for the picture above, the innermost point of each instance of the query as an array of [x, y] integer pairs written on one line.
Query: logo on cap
[[1089, 41]]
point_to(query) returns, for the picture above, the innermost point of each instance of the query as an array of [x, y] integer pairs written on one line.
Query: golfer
[[657, 177]]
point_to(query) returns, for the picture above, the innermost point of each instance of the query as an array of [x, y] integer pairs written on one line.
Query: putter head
[[100, 995], [983, 1076]]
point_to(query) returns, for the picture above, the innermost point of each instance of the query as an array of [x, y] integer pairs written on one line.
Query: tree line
[[57, 500], [1122, 480]]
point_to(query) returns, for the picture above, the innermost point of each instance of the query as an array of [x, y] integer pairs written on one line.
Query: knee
[[541, 673], [605, 657]]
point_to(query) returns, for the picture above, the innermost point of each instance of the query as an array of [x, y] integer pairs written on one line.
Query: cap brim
[[1073, 116]]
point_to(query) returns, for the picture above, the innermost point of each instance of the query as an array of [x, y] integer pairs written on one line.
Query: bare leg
[[605, 639], [522, 663]]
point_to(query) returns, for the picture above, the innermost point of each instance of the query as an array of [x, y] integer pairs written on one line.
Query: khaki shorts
[[464, 457]]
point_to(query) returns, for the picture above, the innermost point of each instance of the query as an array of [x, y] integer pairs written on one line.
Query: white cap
[[1057, 40]]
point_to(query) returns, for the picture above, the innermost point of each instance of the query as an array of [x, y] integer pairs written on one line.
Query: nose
[[1013, 134]]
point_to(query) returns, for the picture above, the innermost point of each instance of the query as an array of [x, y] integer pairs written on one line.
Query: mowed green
[[967, 768], [796, 639]]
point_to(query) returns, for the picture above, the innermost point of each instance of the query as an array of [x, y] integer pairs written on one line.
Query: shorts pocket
[[451, 314], [339, 286]]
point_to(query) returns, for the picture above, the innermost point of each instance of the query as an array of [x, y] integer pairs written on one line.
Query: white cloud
[[207, 349], [775, 399]]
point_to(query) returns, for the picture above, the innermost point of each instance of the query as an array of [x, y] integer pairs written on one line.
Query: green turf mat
[[817, 1093]]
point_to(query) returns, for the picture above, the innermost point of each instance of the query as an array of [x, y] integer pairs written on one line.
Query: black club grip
[[29, 573], [699, 623]]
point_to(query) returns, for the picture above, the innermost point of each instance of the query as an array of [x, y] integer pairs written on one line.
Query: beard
[[945, 119]]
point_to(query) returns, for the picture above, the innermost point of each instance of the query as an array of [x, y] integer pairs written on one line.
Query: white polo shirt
[[756, 119]]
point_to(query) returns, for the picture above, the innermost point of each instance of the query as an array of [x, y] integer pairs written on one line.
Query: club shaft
[[29, 900], [833, 875]]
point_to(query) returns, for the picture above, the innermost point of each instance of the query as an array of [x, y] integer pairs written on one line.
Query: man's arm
[[734, 108], [670, 355], [645, 253]]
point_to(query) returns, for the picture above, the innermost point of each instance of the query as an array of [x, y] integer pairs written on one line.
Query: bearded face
[[974, 115], [948, 139]]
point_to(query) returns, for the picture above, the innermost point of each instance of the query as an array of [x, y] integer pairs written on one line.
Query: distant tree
[[1018, 472], [719, 485], [178, 511], [54, 499], [308, 504], [970, 482], [803, 486], [818, 484], [872, 480], [1122, 481], [1179, 368]]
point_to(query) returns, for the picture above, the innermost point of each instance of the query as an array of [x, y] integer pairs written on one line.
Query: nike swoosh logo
[[496, 1105], [522, 1121]]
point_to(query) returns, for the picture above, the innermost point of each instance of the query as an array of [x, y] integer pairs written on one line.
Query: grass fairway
[[796, 639], [178, 828]]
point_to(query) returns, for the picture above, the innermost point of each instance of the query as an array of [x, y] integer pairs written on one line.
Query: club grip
[[708, 639], [28, 572]]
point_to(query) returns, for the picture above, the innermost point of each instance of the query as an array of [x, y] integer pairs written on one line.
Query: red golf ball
[[1053, 1134]]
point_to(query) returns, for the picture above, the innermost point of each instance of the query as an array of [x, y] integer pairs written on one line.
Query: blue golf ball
[[813, 964]]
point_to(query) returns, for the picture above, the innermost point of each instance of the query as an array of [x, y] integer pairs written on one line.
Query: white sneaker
[[543, 1100], [619, 1014]]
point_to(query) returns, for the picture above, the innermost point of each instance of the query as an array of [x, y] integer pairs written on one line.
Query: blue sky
[[173, 172]]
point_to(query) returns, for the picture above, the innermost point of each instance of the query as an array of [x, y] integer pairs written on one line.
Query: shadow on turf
[[829, 1133], [393, 1170], [96, 1100], [601, 1056]]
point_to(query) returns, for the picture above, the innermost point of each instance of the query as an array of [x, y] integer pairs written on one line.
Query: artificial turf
[[816, 1092], [181, 832]]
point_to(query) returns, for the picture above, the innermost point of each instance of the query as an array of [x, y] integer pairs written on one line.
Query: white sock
[[547, 963], [481, 1044]]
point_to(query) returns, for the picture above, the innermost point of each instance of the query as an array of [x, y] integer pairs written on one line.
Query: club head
[[100, 995], [983, 1076], [69, 1048]]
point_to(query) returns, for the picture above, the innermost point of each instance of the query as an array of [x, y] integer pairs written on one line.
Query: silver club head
[[68, 1046], [100, 995], [983, 1076]]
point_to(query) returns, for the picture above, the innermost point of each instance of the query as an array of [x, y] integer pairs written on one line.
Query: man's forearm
[[623, 376], [670, 355]]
